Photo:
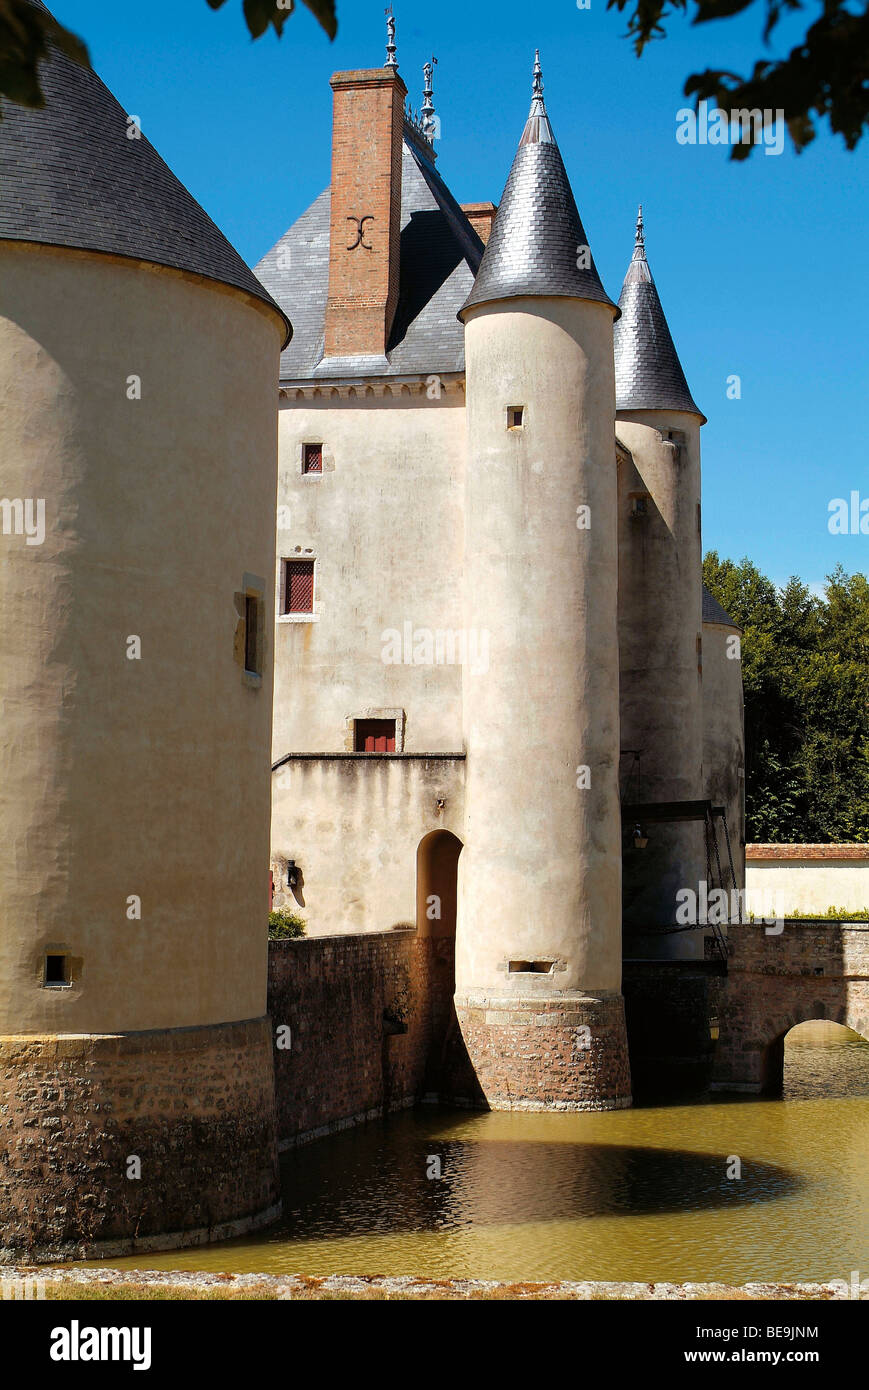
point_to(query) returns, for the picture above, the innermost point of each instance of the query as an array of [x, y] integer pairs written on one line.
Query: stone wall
[[344, 1000], [672, 1010], [548, 1053], [194, 1105]]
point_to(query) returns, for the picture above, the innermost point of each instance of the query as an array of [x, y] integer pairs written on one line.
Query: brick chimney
[[367, 127], [481, 216]]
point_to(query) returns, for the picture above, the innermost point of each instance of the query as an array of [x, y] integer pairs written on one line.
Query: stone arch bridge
[[779, 978]]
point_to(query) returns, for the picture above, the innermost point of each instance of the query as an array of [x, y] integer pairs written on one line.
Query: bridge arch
[[776, 980]]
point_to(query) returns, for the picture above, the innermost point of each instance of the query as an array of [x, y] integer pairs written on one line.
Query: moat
[[638, 1194]]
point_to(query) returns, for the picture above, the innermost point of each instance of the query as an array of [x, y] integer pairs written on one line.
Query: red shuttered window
[[298, 586], [312, 458], [374, 736]]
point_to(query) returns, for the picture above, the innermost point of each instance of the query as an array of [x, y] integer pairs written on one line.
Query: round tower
[[538, 968], [660, 618], [724, 725], [138, 362]]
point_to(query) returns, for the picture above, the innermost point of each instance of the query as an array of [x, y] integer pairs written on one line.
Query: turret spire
[[427, 113], [391, 61], [538, 245], [537, 88], [649, 375]]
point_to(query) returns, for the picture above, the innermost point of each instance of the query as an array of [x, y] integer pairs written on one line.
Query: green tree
[[824, 75], [805, 666]]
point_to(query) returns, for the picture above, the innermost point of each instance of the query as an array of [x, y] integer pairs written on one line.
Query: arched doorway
[[437, 860]]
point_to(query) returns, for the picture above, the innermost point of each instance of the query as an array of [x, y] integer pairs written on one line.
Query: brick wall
[[346, 1061]]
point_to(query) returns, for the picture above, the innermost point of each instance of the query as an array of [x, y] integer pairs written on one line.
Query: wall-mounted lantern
[[641, 839], [292, 874]]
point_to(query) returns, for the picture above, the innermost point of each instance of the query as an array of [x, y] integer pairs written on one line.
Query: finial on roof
[[537, 89], [640, 239], [427, 114], [390, 39]]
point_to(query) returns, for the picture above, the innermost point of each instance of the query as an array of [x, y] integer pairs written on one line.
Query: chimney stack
[[367, 131]]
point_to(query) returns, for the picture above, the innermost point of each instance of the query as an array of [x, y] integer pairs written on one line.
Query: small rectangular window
[[252, 634], [515, 415], [56, 972], [374, 736], [298, 586], [312, 458], [530, 967], [638, 505]]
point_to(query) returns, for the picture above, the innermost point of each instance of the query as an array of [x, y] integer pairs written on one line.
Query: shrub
[[283, 925]]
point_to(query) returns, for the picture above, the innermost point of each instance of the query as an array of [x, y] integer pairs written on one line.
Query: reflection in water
[[822, 1059], [633, 1194]]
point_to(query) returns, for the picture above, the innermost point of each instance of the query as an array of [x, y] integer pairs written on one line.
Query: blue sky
[[761, 265]]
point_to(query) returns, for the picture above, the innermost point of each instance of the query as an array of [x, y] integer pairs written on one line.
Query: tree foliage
[[825, 75], [26, 32], [805, 669]]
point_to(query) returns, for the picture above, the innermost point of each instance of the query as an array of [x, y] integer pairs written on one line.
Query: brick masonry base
[[565, 1052], [194, 1105]]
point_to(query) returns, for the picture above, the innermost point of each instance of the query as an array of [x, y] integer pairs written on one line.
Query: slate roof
[[439, 256], [69, 176], [714, 613], [649, 375], [537, 234]]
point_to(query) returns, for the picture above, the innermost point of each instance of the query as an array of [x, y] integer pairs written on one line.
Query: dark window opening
[[639, 506], [374, 735], [252, 640], [530, 967], [56, 970], [514, 416], [312, 458], [298, 586]]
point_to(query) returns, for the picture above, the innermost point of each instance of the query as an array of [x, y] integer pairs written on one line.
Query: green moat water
[[638, 1194]]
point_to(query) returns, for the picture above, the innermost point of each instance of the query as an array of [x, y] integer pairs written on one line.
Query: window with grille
[[374, 736], [312, 458], [298, 596]]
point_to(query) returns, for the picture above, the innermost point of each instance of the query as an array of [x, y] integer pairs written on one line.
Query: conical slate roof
[[70, 176], [714, 613], [537, 237], [649, 374]]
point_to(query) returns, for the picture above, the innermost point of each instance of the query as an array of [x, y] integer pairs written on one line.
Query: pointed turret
[[649, 375], [538, 243], [80, 173]]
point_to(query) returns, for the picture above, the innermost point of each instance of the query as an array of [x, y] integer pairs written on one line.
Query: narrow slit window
[[298, 586], [253, 635], [56, 971], [530, 967], [515, 417], [312, 458], [374, 736]]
